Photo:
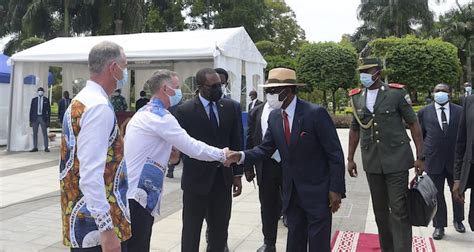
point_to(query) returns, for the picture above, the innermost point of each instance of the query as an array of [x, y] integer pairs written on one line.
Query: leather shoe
[[267, 248], [34, 150], [438, 233], [46, 150], [459, 227]]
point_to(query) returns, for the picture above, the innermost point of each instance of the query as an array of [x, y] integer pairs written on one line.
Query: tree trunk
[[325, 99], [118, 26], [468, 61], [334, 101], [66, 18]]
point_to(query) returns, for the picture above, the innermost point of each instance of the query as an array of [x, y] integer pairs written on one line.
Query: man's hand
[[232, 157], [457, 194], [109, 241], [352, 168], [31, 124], [237, 186], [419, 167], [175, 156], [249, 175], [334, 201]]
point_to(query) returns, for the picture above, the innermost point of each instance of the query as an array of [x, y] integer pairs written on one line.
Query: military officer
[[379, 110]]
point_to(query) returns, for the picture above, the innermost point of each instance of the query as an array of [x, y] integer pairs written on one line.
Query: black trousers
[[99, 248], [470, 184], [269, 193], [440, 220], [216, 208], [389, 201], [142, 223], [308, 228]]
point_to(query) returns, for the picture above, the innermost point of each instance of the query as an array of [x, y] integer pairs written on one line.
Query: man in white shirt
[[93, 176], [151, 134]]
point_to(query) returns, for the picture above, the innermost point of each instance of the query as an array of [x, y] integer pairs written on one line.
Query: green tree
[[395, 17], [164, 15], [457, 27], [328, 67], [418, 63], [283, 29], [250, 14]]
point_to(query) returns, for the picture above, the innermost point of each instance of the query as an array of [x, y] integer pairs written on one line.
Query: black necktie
[[444, 120], [212, 116]]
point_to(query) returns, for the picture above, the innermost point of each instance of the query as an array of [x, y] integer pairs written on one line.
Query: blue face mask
[[176, 98], [441, 97], [121, 83], [366, 79]]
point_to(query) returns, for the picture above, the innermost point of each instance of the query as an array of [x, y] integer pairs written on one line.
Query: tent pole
[[10, 114]]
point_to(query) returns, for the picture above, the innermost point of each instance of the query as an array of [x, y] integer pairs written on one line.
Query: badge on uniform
[[407, 98]]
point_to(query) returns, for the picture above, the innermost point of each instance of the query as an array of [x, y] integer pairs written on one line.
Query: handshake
[[231, 157]]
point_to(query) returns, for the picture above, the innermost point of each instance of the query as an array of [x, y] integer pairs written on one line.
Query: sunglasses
[[274, 90]]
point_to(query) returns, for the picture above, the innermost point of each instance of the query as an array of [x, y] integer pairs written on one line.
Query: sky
[[328, 20]]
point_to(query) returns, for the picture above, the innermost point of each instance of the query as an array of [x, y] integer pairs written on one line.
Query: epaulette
[[354, 91], [394, 85]]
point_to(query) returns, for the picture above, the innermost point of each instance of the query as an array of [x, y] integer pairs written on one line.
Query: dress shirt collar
[[95, 86], [290, 110], [204, 101], [446, 106], [156, 102]]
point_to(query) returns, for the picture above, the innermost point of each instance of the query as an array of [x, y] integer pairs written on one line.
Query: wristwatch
[[422, 158]]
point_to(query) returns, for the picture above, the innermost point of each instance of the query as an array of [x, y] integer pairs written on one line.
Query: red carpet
[[347, 241]]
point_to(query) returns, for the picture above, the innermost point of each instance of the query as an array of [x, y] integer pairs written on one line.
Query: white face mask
[[273, 101], [40, 93]]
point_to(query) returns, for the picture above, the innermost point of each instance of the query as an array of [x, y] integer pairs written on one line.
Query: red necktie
[[286, 125]]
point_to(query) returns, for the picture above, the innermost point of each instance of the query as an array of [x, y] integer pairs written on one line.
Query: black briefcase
[[422, 202]]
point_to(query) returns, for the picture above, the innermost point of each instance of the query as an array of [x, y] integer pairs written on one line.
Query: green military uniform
[[386, 159], [384, 143]]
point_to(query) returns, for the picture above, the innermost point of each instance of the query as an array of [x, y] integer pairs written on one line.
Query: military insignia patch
[[394, 85], [407, 98], [354, 91]]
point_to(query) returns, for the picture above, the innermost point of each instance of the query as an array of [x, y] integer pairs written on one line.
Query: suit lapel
[[278, 130], [258, 124], [201, 111], [221, 114], [296, 127]]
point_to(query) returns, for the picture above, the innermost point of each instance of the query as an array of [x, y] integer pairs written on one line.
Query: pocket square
[[303, 134]]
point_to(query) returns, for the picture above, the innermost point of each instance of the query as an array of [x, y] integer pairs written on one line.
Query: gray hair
[[101, 54], [159, 78]]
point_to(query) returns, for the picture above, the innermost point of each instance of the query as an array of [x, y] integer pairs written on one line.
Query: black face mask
[[215, 94]]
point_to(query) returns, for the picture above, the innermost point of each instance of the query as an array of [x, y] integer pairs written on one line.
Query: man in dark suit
[[466, 92], [40, 115], [269, 177], [312, 162], [439, 123], [255, 102], [464, 163], [142, 101], [207, 186], [63, 105]]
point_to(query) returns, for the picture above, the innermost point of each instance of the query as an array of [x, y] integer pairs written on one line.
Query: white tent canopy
[[183, 52]]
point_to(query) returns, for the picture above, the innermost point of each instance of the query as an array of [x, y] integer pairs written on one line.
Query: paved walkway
[[30, 218]]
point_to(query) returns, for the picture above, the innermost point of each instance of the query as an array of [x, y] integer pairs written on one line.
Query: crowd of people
[[111, 185]]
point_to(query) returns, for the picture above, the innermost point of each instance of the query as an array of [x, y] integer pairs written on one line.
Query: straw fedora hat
[[281, 77]]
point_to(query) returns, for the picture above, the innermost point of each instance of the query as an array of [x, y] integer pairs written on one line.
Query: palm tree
[[457, 27], [395, 17]]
